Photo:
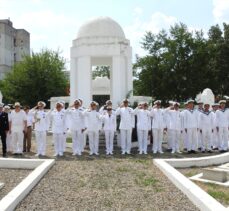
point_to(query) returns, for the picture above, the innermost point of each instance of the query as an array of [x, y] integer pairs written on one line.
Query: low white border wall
[[198, 196], [13, 198], [199, 162]]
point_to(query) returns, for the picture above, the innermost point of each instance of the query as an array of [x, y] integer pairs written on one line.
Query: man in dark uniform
[[4, 127]]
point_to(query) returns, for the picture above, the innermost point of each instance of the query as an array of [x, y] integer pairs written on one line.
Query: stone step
[[216, 174]]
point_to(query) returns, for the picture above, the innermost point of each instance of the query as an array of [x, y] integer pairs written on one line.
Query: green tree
[[180, 63], [37, 77]]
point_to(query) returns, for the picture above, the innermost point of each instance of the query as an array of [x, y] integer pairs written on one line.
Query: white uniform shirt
[[127, 118], [158, 121], [109, 121], [222, 118], [206, 120], [191, 119], [92, 120], [17, 121], [58, 121], [30, 119], [143, 119], [76, 119], [41, 119], [175, 119]]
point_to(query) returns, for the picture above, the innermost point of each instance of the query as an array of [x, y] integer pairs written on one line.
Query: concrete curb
[[13, 198], [198, 196]]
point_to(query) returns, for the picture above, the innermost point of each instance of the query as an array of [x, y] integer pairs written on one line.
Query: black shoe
[[185, 149], [193, 151], [190, 152], [203, 151], [209, 151]]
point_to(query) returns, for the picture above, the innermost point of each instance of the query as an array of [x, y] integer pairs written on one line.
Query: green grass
[[219, 195]]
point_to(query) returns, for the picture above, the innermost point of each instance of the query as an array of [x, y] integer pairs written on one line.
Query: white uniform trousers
[[192, 142], [169, 138], [77, 141], [109, 136], [157, 140], [17, 142], [125, 140], [184, 139], [65, 141], [84, 140], [175, 136], [41, 142], [223, 138], [93, 141], [142, 141], [58, 139], [215, 139], [200, 139], [9, 144], [206, 139]]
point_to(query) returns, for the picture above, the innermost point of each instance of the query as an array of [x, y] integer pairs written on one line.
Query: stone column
[[83, 80], [118, 80], [73, 70]]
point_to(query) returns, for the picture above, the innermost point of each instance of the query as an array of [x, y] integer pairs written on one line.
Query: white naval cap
[[176, 103], [108, 102], [59, 103], [17, 104], [190, 101], [42, 102], [157, 102], [171, 102], [125, 100], [222, 101], [7, 107], [1, 105], [93, 103], [76, 101]]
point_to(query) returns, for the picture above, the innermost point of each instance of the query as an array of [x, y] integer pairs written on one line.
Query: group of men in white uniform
[[188, 129]]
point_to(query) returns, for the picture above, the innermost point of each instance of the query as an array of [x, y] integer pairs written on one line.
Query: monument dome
[[100, 27]]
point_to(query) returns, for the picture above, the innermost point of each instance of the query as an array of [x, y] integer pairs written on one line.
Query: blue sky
[[54, 23]]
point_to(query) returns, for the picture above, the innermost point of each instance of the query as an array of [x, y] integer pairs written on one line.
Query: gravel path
[[11, 178], [111, 184]]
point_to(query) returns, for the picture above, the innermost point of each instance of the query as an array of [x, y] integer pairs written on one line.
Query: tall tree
[[37, 77]]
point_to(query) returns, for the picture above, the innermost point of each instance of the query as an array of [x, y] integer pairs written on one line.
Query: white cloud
[[221, 10], [135, 32]]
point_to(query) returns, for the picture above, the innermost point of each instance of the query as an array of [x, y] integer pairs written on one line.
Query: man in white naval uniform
[[93, 127], [183, 133], [57, 118], [17, 124], [175, 126], [167, 122], [41, 126], [143, 120], [190, 127], [84, 125], [222, 122], [215, 137], [126, 125], [206, 125], [199, 134], [75, 117], [158, 126], [109, 120]]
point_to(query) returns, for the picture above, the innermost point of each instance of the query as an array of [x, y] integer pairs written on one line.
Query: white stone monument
[[207, 96], [100, 41]]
